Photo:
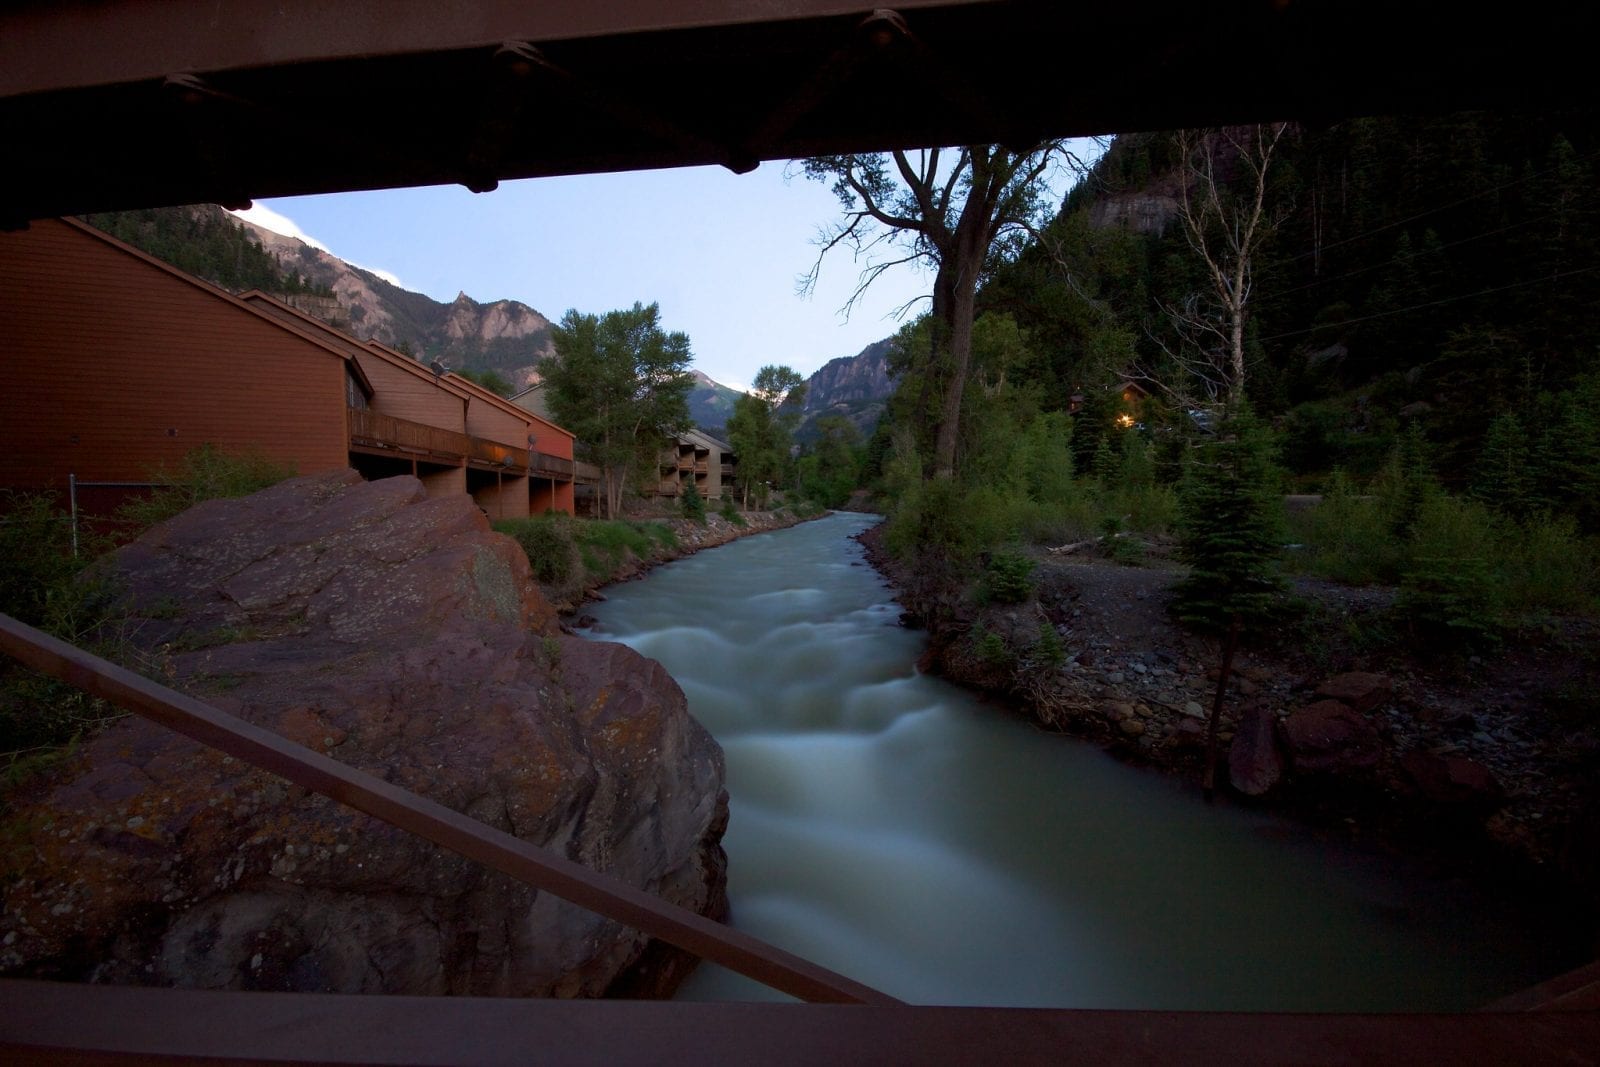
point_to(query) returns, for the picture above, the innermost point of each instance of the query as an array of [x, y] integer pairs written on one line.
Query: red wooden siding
[[402, 387], [116, 365]]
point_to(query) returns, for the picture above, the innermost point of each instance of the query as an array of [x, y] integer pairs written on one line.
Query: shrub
[[1048, 651], [205, 473], [694, 505], [1449, 603], [729, 511], [992, 649], [1008, 578], [36, 560], [548, 543]]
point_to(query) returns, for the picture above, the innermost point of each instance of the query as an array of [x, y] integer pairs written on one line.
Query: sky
[[720, 253]]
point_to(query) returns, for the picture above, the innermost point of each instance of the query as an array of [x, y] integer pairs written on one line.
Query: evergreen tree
[[1230, 529], [1501, 478], [1105, 464]]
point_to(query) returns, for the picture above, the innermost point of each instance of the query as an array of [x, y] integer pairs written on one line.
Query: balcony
[[386, 435]]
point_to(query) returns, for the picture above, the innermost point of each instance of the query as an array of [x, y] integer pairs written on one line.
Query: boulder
[[1254, 763], [401, 636], [1359, 689], [1453, 782], [1330, 737]]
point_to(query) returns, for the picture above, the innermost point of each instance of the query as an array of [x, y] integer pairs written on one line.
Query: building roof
[[489, 396], [221, 294]]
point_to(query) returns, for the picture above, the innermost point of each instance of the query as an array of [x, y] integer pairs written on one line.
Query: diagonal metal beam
[[540, 868]]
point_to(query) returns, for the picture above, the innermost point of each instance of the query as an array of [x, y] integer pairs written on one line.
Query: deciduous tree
[[959, 211], [621, 384], [762, 427]]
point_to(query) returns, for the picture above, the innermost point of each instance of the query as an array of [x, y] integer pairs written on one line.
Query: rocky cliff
[[857, 387], [401, 636], [503, 335]]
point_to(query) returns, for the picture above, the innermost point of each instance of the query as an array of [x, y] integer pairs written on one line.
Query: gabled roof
[[494, 399], [394, 357], [218, 293], [332, 335]]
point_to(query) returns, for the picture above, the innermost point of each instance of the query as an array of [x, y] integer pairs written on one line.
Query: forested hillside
[[1435, 270]]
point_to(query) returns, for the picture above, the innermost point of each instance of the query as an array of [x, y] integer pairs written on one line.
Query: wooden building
[[117, 365]]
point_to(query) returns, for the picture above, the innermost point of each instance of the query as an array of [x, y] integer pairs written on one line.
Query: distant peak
[[463, 298]]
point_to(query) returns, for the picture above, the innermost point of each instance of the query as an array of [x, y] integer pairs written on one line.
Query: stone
[[1359, 689], [1255, 764], [1132, 727], [405, 635], [1194, 710], [1329, 737], [1453, 782], [1115, 678]]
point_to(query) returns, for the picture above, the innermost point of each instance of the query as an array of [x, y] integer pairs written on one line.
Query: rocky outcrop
[[1255, 764], [1329, 737], [1359, 690], [401, 636]]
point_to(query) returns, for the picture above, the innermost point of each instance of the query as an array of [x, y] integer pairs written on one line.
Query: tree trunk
[[1230, 646], [963, 290]]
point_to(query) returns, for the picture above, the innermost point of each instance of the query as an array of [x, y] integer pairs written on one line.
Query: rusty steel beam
[[540, 868]]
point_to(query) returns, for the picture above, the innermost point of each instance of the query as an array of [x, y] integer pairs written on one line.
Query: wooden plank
[[43, 1022], [537, 867]]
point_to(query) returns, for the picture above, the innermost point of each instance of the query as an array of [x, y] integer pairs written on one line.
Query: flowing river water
[[895, 828]]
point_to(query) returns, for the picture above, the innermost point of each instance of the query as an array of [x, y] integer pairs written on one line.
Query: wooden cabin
[[119, 365]]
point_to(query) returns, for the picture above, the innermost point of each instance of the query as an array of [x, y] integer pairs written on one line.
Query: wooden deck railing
[[538, 867], [368, 427]]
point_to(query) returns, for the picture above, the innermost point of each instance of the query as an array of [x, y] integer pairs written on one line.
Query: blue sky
[[719, 252]]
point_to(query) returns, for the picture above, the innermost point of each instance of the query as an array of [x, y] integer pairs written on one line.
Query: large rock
[[1330, 737], [1254, 763], [1361, 690], [401, 636], [1453, 783]]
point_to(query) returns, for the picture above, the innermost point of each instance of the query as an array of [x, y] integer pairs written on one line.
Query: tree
[[491, 380], [960, 211], [1225, 228], [621, 384], [1229, 532], [762, 428]]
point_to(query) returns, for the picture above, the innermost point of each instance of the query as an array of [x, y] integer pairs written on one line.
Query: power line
[[1409, 256], [1435, 210], [1429, 304]]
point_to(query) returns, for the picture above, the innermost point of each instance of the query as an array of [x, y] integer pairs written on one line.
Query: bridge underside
[[147, 102]]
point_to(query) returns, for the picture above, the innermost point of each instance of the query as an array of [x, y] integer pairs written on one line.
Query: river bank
[[1473, 766], [582, 584]]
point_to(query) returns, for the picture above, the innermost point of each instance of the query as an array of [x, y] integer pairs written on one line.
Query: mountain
[[711, 404], [857, 387], [506, 336]]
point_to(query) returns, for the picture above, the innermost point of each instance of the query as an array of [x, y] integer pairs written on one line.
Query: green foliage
[[730, 510], [1120, 549], [208, 244], [205, 473], [491, 380], [992, 649], [1104, 464], [831, 470], [1407, 482], [44, 585], [1048, 649], [1007, 578], [36, 561], [549, 544], [762, 427], [1230, 530], [693, 504], [621, 384], [1449, 603]]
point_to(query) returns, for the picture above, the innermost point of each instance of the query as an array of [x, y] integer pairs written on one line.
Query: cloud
[[269, 219]]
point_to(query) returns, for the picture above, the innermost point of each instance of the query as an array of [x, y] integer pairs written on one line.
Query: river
[[901, 831]]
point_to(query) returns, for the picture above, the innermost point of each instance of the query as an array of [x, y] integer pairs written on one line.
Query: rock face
[[1358, 689], [1330, 738], [401, 636], [1453, 782], [1254, 763]]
